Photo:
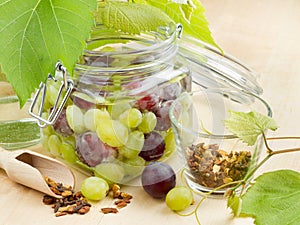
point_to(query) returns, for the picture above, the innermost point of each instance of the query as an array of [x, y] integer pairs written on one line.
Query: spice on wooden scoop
[[29, 168]]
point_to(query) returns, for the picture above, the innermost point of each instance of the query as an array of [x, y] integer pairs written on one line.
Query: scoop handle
[[4, 155], [8, 156], [23, 173]]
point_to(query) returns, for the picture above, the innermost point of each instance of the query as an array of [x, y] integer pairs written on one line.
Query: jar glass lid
[[212, 69]]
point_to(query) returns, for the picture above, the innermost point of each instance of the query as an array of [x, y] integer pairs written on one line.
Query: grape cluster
[[117, 140]]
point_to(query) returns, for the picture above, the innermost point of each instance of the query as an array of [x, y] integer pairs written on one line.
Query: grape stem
[[271, 153]]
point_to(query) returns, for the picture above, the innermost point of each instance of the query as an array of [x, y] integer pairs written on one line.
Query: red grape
[[132, 85], [61, 125], [91, 150], [162, 116], [158, 179], [154, 146], [82, 101], [149, 102], [170, 92]]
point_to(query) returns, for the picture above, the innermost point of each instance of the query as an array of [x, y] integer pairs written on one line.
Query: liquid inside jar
[[116, 120]]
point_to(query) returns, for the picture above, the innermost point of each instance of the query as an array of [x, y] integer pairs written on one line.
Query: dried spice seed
[[50, 182], [116, 191], [61, 214], [55, 191], [65, 208], [57, 206], [66, 193], [109, 210], [127, 201], [213, 167], [121, 204], [124, 195], [118, 201], [122, 200], [48, 200], [85, 209], [70, 202]]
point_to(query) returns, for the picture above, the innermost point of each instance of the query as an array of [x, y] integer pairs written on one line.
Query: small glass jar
[[116, 119], [18, 129], [214, 157]]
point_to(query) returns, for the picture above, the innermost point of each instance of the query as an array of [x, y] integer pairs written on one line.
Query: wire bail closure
[[66, 84], [179, 29]]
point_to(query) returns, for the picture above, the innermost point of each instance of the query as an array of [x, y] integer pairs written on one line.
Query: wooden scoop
[[29, 168]]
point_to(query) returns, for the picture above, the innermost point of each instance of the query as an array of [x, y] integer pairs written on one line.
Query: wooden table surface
[[263, 34]]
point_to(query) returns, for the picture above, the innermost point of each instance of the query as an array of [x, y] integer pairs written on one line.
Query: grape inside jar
[[116, 120]]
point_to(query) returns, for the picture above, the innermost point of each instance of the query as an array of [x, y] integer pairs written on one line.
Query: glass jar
[[18, 129], [214, 157], [116, 119]]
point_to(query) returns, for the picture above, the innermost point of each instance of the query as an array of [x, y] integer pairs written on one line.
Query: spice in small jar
[[213, 167]]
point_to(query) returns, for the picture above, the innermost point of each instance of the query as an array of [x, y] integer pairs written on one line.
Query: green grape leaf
[[248, 126], [187, 12], [139, 1], [133, 18], [274, 199], [35, 34], [190, 15], [2, 75], [235, 203]]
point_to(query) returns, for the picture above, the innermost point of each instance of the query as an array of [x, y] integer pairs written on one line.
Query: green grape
[[113, 133], [52, 92], [133, 166], [47, 104], [111, 172], [131, 117], [71, 140], [133, 145], [107, 49], [94, 188], [170, 143], [179, 198], [116, 110], [48, 130], [68, 152], [185, 100], [87, 98], [75, 118], [84, 167], [93, 117], [148, 122], [54, 144], [44, 141]]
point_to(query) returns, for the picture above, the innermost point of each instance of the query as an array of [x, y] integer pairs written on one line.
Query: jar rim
[[223, 91], [217, 69], [144, 52], [164, 35]]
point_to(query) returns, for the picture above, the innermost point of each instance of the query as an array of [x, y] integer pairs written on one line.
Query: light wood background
[[263, 34]]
